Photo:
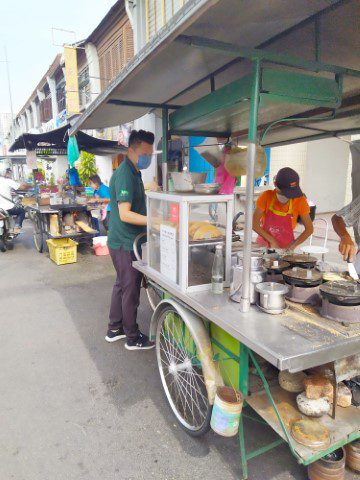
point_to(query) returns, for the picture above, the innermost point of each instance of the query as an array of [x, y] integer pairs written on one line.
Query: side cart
[[41, 217]]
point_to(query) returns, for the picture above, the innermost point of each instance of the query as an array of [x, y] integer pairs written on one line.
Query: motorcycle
[[7, 225]]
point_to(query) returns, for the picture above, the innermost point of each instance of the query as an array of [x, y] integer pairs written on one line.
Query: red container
[[174, 212], [101, 250]]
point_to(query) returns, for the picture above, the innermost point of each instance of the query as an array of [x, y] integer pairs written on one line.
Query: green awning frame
[[226, 110]]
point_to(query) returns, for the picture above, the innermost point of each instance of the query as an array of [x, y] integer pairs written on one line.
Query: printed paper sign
[[168, 259]]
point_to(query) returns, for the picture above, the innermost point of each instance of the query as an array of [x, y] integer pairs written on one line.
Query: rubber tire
[[206, 425], [39, 247]]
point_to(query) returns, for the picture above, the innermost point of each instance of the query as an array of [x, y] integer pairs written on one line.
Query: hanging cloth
[[72, 151]]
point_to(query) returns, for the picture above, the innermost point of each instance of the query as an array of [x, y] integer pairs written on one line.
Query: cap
[[287, 181]]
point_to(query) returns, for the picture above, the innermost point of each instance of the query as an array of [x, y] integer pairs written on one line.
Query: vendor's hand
[[347, 248], [273, 243]]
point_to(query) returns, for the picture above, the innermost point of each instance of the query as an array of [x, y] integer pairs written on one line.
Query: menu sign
[[168, 258]]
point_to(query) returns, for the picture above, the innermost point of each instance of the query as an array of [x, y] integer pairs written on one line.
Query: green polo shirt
[[126, 185]]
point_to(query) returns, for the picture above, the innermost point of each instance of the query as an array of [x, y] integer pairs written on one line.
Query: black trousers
[[19, 213], [125, 296]]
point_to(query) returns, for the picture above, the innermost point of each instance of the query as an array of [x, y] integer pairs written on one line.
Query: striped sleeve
[[351, 213]]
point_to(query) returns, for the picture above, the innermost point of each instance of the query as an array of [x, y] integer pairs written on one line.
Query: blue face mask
[[143, 161]]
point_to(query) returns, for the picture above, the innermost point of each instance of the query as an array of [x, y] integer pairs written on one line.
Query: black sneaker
[[115, 335], [142, 343]]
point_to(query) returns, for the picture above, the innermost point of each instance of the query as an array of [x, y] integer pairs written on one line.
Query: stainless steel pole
[[165, 134], [250, 175], [10, 96]]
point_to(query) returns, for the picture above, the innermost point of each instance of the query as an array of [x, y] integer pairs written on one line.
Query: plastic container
[[62, 250], [226, 411], [100, 246], [217, 276]]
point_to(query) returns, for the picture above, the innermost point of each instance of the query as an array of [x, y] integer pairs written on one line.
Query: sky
[[25, 30]]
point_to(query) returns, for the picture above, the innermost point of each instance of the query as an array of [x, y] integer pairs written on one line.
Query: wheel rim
[[154, 296], [181, 372], [38, 236]]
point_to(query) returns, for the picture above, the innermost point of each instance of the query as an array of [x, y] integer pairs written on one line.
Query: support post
[[165, 135], [250, 175], [317, 39]]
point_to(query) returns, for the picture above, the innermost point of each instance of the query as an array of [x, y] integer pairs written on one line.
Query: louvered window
[[116, 53], [84, 86], [158, 13], [45, 106]]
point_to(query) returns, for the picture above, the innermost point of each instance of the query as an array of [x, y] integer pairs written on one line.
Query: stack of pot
[[258, 275]]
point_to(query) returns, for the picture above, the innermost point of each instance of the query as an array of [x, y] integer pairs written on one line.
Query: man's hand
[[347, 248]]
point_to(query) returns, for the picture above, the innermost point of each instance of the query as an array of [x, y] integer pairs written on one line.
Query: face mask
[[282, 199], [143, 161]]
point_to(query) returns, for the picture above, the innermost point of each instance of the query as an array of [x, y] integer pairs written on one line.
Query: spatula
[[352, 271]]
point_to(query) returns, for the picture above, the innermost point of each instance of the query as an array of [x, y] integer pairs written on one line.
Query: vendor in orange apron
[[278, 210]]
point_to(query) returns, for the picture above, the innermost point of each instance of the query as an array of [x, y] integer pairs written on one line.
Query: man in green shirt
[[127, 220]]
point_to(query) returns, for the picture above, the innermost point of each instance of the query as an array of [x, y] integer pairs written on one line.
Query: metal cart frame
[[243, 349], [41, 223]]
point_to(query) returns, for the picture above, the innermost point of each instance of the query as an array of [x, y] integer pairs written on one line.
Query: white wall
[[153, 124], [324, 169], [327, 173], [104, 166], [293, 156], [60, 166]]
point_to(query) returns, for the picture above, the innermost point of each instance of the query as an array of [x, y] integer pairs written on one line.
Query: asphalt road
[[73, 406]]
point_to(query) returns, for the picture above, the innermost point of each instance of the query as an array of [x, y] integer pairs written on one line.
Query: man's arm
[[347, 247], [127, 216], [309, 230], [259, 230]]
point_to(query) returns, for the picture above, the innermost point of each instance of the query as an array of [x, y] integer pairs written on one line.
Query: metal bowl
[[207, 188], [185, 181]]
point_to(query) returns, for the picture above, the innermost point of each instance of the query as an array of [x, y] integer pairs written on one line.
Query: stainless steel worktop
[[287, 343]]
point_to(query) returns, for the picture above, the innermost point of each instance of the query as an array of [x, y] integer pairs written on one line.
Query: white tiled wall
[[293, 156]]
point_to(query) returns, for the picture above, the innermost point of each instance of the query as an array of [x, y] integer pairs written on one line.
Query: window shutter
[[102, 71], [121, 50], [115, 59], [129, 42], [108, 67]]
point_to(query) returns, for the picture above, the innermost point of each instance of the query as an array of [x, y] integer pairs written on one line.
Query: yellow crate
[[62, 250]]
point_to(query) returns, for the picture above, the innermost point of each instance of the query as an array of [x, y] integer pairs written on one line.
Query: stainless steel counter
[[286, 343]]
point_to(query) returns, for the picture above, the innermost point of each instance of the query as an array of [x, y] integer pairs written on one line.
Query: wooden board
[[85, 227]]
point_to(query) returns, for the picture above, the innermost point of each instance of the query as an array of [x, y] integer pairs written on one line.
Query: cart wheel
[[154, 296], [181, 374], [3, 246], [38, 234]]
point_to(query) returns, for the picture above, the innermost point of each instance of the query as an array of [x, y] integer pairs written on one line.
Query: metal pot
[[256, 276], [257, 260], [272, 296]]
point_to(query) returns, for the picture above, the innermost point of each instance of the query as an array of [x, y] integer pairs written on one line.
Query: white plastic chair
[[314, 249]]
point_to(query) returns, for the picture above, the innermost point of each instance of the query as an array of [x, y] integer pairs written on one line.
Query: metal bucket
[[256, 276], [226, 411]]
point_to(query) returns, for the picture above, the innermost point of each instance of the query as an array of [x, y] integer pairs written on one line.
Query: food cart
[[62, 216], [59, 221], [266, 97]]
